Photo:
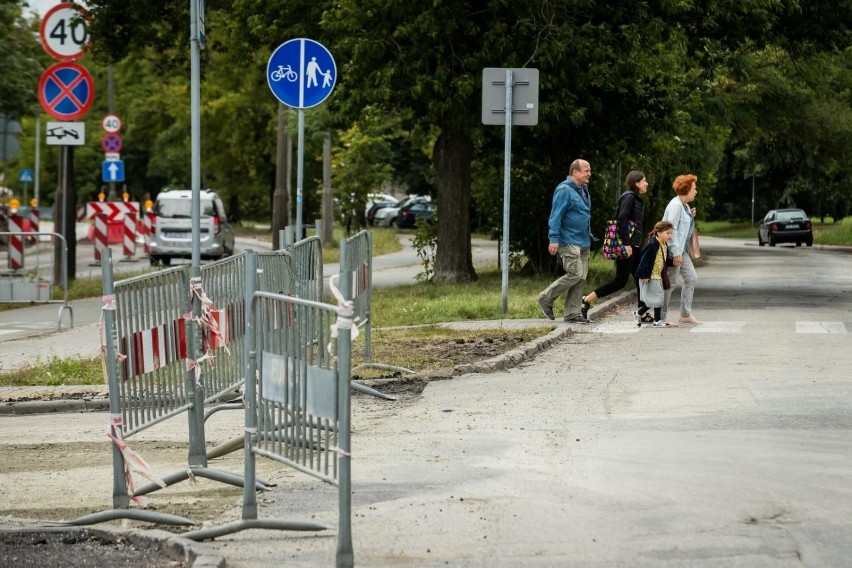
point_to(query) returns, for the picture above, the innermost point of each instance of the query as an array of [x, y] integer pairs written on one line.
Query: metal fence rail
[[224, 284], [307, 269], [19, 285], [297, 402], [151, 338], [356, 269]]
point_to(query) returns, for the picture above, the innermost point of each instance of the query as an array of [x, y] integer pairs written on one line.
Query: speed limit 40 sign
[[64, 32], [111, 123]]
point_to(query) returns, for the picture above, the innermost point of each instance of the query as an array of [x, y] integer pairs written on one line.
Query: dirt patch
[[427, 349], [76, 548]]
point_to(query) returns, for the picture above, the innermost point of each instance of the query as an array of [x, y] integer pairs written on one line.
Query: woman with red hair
[[682, 218]]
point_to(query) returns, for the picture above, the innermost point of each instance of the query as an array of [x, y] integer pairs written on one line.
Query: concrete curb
[[48, 406], [512, 358]]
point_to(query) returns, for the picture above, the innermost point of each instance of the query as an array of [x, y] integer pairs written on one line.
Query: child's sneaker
[[662, 323]]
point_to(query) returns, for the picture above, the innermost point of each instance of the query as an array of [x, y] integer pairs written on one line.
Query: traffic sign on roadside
[[66, 91], [111, 143], [111, 123], [66, 133], [113, 171], [301, 73], [64, 32], [25, 176]]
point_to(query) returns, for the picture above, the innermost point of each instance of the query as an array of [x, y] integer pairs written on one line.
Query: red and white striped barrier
[[16, 242], [34, 222], [114, 210], [81, 213], [155, 348], [129, 240], [148, 220], [101, 235]]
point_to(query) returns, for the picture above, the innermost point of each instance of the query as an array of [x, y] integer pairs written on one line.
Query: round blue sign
[[301, 73]]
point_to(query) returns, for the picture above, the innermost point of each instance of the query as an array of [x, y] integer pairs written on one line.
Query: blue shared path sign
[[301, 73], [113, 171]]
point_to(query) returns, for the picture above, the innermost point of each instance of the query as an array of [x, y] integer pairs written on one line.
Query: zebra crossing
[[719, 327]]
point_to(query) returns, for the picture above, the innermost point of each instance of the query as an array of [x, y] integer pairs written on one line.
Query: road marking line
[[718, 327], [615, 327], [820, 327]]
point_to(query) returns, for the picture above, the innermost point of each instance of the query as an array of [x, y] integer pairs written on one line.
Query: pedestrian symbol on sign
[[301, 62]]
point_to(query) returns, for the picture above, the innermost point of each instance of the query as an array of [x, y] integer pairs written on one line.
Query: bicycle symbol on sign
[[284, 73]]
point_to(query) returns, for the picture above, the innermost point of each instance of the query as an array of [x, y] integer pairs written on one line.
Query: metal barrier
[[297, 401], [307, 269], [224, 284], [356, 268], [29, 286]]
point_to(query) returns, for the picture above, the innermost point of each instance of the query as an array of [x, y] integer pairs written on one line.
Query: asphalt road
[[723, 444]]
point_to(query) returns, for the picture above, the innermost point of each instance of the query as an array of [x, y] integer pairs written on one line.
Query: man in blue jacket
[[568, 232]]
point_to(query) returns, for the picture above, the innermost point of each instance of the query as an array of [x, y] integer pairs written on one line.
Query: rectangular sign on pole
[[524, 96], [66, 133]]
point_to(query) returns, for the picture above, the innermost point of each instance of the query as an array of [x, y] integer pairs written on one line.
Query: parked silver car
[[173, 227], [387, 217]]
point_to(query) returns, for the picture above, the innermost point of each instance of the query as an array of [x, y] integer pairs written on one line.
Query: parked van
[[173, 227]]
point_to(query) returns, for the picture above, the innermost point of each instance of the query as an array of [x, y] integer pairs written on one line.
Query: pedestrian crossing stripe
[[615, 327], [820, 327]]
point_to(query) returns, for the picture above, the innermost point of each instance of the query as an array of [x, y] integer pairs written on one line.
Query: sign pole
[[37, 158], [507, 183], [300, 172]]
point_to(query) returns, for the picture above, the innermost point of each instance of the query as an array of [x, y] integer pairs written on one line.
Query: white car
[[387, 217], [373, 197]]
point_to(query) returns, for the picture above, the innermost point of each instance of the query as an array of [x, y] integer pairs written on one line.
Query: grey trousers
[[575, 261], [687, 290]]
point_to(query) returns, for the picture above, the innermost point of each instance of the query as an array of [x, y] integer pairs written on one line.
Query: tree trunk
[[452, 160]]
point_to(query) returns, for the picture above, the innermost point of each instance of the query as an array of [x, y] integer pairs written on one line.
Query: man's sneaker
[[577, 319], [637, 318], [647, 318], [662, 323], [584, 309], [546, 308]]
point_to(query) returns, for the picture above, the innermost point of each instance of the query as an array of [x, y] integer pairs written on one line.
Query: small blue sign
[[301, 73], [26, 176], [113, 171]]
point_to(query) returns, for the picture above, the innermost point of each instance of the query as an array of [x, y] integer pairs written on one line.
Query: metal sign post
[[301, 73], [503, 104]]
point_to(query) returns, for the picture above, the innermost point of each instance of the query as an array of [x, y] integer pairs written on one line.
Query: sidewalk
[[29, 335]]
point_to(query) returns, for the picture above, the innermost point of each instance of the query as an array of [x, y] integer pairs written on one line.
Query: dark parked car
[[785, 226], [410, 213]]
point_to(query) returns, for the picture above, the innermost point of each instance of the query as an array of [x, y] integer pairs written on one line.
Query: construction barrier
[[16, 242], [298, 402], [129, 240], [19, 287], [34, 221], [101, 241], [356, 268]]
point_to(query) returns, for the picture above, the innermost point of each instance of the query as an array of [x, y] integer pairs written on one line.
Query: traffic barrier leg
[[16, 242], [129, 241], [101, 236]]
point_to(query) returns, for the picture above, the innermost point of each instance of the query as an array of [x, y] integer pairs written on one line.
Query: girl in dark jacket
[[630, 208], [652, 273]]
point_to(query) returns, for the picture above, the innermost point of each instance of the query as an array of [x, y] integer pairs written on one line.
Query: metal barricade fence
[[307, 269], [356, 268], [151, 341], [20, 285], [297, 402], [224, 284]]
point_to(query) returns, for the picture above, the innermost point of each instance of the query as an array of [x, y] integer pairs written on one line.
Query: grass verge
[[56, 372]]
